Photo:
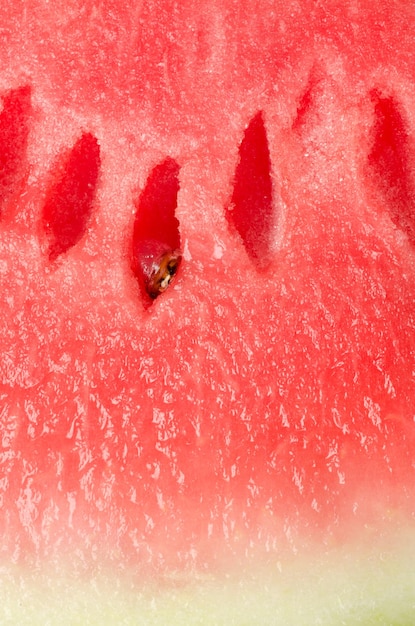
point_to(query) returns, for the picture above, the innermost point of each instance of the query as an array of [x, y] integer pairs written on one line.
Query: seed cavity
[[308, 105], [156, 254], [70, 199], [14, 133], [251, 208], [391, 163]]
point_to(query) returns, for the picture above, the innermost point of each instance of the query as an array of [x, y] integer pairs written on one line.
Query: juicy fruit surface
[[253, 406]]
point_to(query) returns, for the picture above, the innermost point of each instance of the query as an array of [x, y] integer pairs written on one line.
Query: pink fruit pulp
[[251, 407]]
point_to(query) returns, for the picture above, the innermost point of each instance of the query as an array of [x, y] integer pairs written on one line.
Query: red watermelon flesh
[[264, 403]]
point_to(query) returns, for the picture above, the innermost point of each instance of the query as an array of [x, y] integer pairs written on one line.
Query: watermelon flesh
[[257, 417]]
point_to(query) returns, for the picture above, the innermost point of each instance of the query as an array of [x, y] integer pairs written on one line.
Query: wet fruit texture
[[265, 399]]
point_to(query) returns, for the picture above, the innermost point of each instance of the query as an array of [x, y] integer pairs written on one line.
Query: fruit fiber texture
[[265, 401]]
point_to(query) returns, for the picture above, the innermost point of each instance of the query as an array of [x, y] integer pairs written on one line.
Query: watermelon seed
[[159, 265]]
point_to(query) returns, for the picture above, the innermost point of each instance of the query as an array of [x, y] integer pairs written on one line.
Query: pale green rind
[[343, 587]]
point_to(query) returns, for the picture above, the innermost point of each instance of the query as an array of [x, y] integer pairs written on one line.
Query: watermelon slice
[[207, 328]]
